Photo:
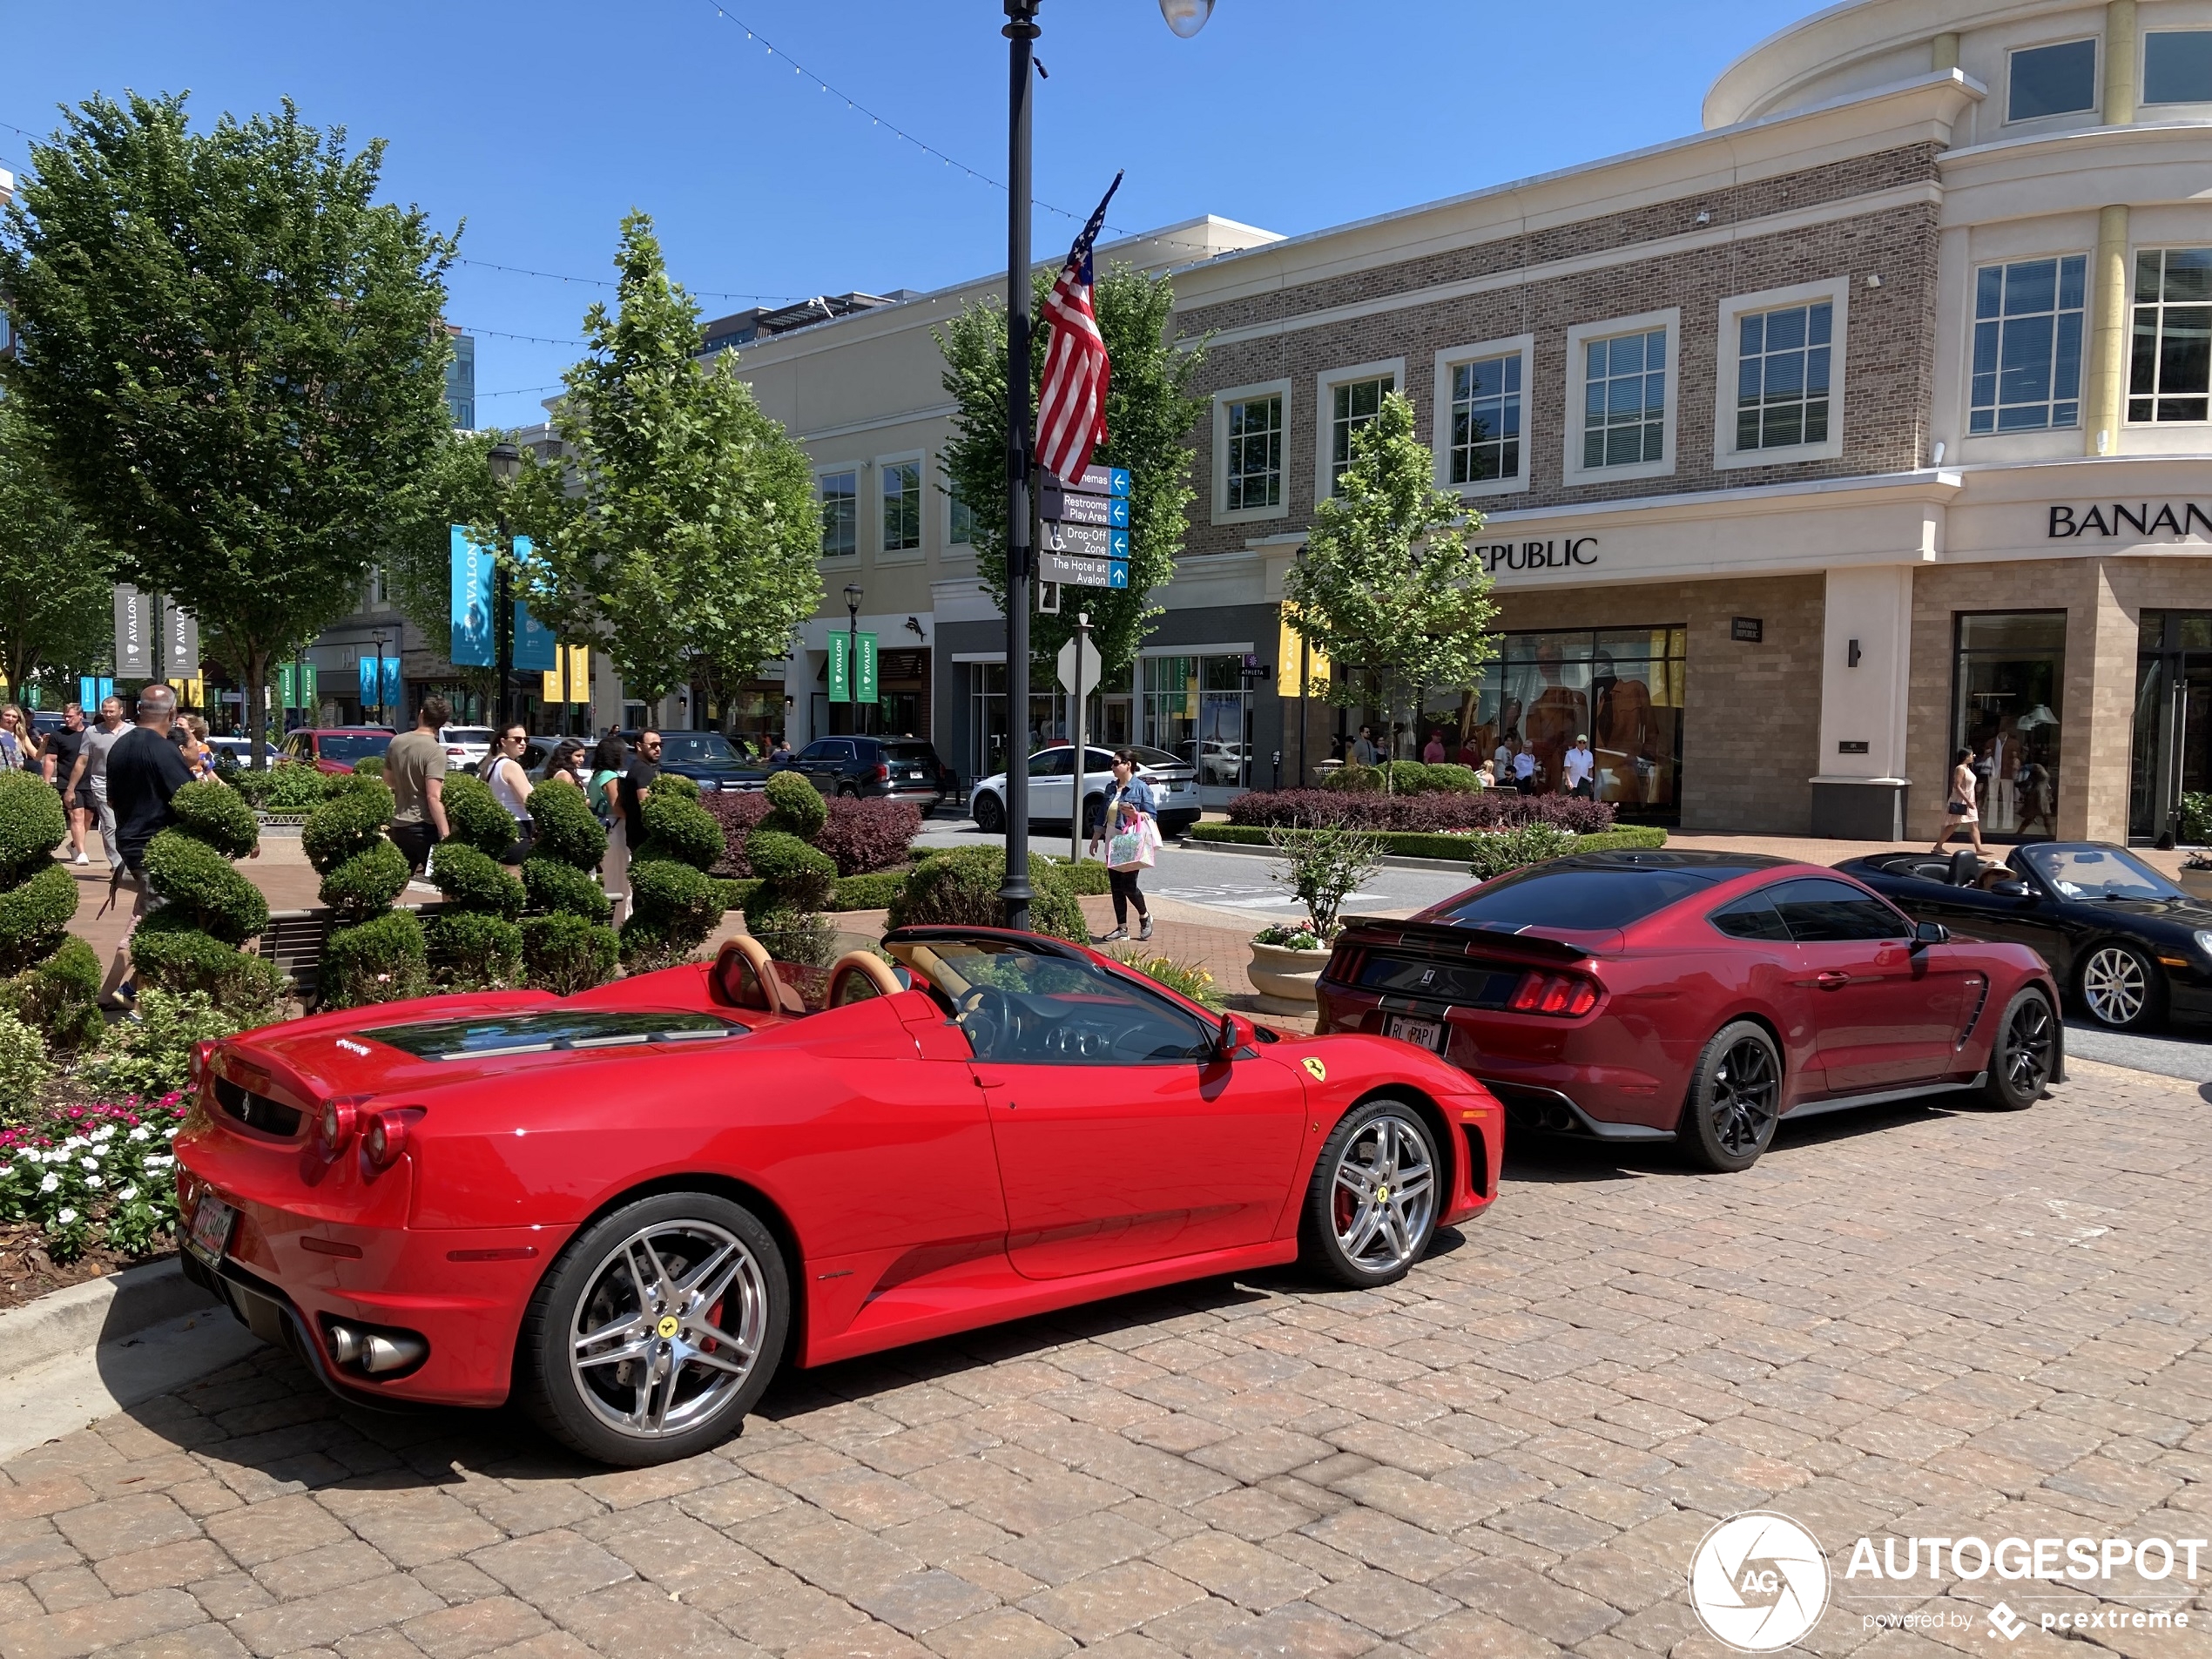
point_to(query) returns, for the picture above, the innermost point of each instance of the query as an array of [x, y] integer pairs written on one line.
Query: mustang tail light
[[1566, 995], [384, 1135], [335, 1122]]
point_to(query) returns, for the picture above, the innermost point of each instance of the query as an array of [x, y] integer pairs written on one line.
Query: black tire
[[2023, 1053], [1377, 1190], [592, 1287], [990, 814], [2120, 987], [1735, 1099], [847, 792]]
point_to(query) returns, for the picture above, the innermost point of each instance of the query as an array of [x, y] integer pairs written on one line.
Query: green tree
[[417, 553], [680, 529], [1389, 589], [233, 355], [1149, 412], [54, 580]]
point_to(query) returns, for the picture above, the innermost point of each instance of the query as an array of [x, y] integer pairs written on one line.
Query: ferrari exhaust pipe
[[345, 1344], [376, 1352]]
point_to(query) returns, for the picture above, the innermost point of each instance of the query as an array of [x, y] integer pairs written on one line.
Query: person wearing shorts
[[1959, 812], [89, 776]]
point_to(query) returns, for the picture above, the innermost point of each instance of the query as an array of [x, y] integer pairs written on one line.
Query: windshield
[[545, 1033], [2098, 873], [347, 750], [696, 749], [1576, 898], [909, 753], [467, 734]]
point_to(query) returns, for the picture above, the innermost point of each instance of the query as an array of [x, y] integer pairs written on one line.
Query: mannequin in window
[[1627, 730], [1555, 714]]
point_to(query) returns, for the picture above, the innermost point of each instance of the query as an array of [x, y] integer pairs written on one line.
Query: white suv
[[465, 744]]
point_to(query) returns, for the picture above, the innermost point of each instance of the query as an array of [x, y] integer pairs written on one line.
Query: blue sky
[[541, 125]]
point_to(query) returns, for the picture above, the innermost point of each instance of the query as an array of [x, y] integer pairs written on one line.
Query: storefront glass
[[1621, 686], [2008, 675], [1198, 707], [2172, 756]]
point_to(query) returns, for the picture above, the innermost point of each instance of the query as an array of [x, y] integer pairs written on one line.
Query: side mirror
[[1235, 1033], [1930, 932]]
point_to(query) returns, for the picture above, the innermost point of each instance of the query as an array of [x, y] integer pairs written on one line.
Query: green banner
[[842, 686], [867, 678], [840, 681]]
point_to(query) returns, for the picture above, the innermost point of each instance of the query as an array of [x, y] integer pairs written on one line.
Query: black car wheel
[[2120, 986], [655, 1330], [990, 814], [1735, 1098], [2020, 1058], [1372, 1205]]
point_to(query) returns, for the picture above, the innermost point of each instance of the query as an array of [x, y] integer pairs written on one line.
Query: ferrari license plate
[[211, 1227], [1422, 1034]]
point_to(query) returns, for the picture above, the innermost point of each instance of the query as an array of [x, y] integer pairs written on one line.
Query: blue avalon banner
[[534, 642], [474, 642]]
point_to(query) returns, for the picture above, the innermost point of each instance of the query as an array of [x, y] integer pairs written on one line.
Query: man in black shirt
[[144, 772], [61, 749]]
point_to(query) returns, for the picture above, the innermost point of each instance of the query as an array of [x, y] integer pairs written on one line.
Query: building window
[[2169, 372], [1199, 709], [901, 505], [2008, 673], [2177, 66], [2053, 80], [1254, 474], [962, 531], [1486, 419], [2027, 345], [1351, 405], [1624, 400], [1781, 376], [840, 514]]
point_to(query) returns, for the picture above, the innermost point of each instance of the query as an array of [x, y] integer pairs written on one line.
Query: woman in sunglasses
[[510, 787]]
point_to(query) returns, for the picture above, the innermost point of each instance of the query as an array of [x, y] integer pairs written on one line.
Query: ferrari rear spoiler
[[1468, 941]]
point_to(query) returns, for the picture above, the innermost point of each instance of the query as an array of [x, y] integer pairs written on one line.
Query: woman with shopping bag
[[1130, 828]]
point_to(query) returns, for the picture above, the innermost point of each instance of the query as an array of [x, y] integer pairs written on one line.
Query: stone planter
[[1287, 979], [2196, 883]]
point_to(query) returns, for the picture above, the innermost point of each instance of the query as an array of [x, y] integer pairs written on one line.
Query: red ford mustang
[[1699, 996], [626, 1208]]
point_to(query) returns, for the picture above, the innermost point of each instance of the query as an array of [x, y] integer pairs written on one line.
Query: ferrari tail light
[[1566, 995], [334, 1124], [384, 1135]]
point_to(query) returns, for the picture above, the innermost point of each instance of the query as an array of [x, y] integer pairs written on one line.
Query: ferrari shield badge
[[1315, 1069]]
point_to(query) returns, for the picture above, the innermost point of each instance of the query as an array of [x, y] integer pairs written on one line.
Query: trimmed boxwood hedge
[[34, 917], [218, 815], [348, 824], [565, 827], [199, 883], [167, 951], [385, 960], [554, 886], [473, 880], [367, 882], [564, 955], [470, 950], [476, 818], [59, 996], [32, 824], [961, 888], [1455, 849]]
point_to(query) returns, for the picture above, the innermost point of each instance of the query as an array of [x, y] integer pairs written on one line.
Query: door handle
[[1831, 978]]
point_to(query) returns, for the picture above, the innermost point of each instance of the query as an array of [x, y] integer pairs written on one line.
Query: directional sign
[[1095, 509], [1102, 481], [1117, 575], [1096, 540], [1081, 569]]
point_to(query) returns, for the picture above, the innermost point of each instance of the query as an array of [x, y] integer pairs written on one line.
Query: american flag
[[1071, 406]]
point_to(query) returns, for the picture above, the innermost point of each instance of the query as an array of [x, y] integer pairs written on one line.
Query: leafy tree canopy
[[234, 357], [681, 530], [1150, 412], [54, 580]]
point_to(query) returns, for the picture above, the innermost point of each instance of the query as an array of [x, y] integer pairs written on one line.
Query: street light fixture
[[1185, 17], [852, 655], [383, 711], [506, 463]]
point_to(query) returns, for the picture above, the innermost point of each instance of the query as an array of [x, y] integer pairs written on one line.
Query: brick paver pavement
[[1906, 1322]]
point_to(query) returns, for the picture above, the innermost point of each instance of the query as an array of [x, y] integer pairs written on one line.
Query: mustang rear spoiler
[[1472, 941]]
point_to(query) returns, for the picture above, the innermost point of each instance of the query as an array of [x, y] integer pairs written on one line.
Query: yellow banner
[[578, 659], [1287, 663]]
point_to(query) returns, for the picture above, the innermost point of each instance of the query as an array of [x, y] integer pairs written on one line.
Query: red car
[[335, 749], [626, 1208], [1697, 997]]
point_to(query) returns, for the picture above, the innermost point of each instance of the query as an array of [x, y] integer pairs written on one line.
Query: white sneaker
[[80, 859]]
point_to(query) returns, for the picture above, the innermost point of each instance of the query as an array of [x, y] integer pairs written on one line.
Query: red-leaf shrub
[[860, 835], [1435, 813]]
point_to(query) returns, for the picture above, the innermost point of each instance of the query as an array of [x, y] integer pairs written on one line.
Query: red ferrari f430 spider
[[628, 1207]]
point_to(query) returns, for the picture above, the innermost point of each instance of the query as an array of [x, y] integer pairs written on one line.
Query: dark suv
[[708, 758], [898, 768]]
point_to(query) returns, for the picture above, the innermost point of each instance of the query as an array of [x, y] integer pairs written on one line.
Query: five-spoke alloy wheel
[[657, 1329], [1735, 1098], [2119, 987], [1374, 1200]]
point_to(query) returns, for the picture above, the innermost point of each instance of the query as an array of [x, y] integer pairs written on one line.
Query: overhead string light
[[608, 282]]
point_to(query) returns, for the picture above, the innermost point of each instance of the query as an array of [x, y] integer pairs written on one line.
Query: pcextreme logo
[[1759, 1581]]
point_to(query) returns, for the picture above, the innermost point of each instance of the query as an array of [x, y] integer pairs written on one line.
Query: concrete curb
[[80, 1316], [1456, 866]]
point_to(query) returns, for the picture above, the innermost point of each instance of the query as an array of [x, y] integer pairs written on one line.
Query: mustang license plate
[[211, 1227], [1424, 1034]]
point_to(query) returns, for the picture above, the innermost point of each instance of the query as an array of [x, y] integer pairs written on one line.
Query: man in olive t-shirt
[[415, 768]]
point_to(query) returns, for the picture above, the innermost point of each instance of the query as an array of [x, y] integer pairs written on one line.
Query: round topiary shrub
[[792, 875], [795, 806], [673, 908], [367, 882], [680, 829], [476, 818], [34, 917], [961, 889], [384, 959], [60, 996], [564, 955], [168, 951], [471, 950], [346, 825], [566, 829], [32, 824], [293, 786], [473, 881], [199, 883], [41, 974], [555, 886], [215, 813]]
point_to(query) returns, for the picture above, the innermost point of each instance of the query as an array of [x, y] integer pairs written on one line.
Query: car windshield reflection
[[2098, 873]]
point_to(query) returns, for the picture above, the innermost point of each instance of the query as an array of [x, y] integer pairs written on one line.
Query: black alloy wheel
[[1735, 1098], [2023, 1055]]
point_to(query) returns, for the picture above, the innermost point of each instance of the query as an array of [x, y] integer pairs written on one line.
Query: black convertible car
[[2127, 943]]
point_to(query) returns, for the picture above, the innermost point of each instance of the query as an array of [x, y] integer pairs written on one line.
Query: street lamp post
[[1185, 17], [852, 656], [383, 710], [506, 463]]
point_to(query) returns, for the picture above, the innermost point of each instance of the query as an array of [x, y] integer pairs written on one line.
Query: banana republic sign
[[2171, 521], [1559, 553]]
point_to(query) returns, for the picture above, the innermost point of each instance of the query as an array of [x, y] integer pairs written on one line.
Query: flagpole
[[1020, 31]]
